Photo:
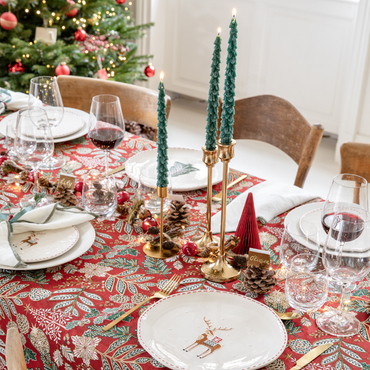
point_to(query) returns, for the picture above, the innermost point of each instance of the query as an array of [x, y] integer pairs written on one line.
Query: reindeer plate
[[203, 330], [35, 246]]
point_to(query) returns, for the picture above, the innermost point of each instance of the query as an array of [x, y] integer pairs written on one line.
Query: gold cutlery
[[310, 356], [217, 197], [163, 293], [288, 315], [115, 170]]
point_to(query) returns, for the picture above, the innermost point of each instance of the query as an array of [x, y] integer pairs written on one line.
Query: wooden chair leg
[[14, 351]]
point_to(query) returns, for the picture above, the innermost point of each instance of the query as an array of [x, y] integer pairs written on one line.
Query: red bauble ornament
[[123, 197], [80, 35], [8, 21], [120, 1], [79, 186], [189, 248], [62, 69], [148, 222], [149, 71], [71, 10], [16, 67], [3, 2]]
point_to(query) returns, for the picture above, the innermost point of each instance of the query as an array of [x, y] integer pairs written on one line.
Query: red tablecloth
[[60, 311]]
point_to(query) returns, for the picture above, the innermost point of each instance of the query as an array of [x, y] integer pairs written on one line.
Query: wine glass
[[44, 92], [346, 257], [106, 124], [347, 190], [33, 145]]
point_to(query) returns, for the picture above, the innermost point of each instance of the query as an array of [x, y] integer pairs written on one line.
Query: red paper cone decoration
[[247, 229]]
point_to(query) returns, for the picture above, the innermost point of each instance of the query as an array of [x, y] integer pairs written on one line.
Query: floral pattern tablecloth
[[60, 311]]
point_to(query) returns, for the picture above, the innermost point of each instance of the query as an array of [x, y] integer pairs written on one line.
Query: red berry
[[10, 217], [78, 186], [123, 197], [148, 222], [189, 248]]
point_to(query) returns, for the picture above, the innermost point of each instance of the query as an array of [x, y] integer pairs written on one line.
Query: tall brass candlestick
[[219, 269], [155, 251], [210, 159]]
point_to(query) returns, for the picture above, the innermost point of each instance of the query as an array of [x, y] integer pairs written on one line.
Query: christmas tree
[[82, 38]]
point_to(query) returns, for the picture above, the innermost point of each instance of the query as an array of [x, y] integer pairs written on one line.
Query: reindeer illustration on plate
[[207, 339], [29, 241]]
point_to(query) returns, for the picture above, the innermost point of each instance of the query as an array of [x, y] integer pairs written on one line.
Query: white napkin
[[271, 198], [19, 101], [50, 217]]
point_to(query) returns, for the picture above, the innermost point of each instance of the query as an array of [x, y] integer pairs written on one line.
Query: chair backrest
[[355, 158], [138, 103], [275, 121], [14, 350]]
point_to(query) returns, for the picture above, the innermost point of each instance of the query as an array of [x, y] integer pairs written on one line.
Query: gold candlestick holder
[[154, 250], [210, 158], [218, 269]]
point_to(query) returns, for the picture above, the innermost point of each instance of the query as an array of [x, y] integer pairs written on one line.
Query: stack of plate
[[49, 248], [73, 125]]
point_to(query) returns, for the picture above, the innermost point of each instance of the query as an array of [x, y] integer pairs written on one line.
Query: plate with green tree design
[[187, 169]]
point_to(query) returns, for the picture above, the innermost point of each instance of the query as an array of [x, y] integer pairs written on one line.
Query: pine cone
[[153, 230], [240, 260], [178, 214], [123, 209], [258, 280], [148, 132], [3, 152], [44, 182], [143, 213], [24, 175], [65, 195], [10, 166], [133, 127]]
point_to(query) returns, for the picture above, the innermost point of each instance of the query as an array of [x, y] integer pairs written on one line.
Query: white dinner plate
[[187, 169], [77, 116], [87, 237], [238, 332], [35, 246], [295, 217]]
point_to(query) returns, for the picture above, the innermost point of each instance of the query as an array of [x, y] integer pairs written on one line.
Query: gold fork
[[163, 293], [217, 197]]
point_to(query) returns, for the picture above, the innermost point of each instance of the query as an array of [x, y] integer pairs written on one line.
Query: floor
[[186, 129]]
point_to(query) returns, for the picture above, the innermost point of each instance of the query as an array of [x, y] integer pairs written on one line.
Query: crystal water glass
[[99, 195], [306, 285]]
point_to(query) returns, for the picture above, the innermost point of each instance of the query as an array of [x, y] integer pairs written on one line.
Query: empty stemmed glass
[[346, 257], [44, 93], [106, 124], [33, 145], [347, 190]]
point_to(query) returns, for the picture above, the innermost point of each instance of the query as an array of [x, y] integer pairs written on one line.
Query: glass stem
[[342, 292], [35, 180], [106, 162]]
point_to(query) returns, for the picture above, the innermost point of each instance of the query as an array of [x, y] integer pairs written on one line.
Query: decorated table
[[60, 311]]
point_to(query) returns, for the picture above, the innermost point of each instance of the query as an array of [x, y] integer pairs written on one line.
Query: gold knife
[[217, 197], [115, 170], [310, 356]]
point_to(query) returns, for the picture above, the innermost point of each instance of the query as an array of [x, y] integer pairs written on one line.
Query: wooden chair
[[275, 121], [355, 159], [138, 103], [14, 351]]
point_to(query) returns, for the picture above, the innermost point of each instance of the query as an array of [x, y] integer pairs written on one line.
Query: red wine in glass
[[347, 228], [107, 138]]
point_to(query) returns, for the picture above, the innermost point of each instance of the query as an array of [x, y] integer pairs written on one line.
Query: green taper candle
[[162, 158], [227, 116], [211, 128]]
